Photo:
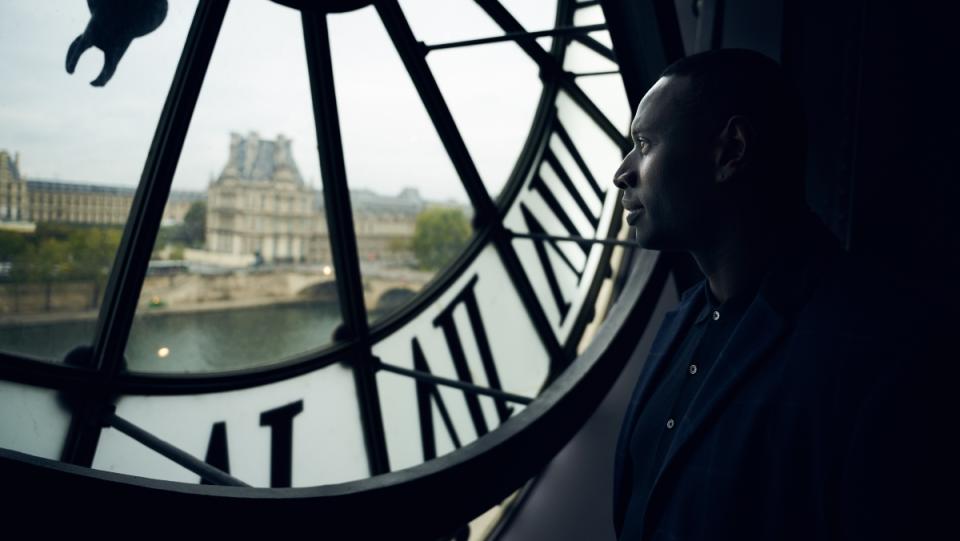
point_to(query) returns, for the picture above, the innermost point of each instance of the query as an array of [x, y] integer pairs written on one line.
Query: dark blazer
[[813, 423]]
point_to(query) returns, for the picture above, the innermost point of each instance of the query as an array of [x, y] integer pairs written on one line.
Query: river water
[[207, 341]]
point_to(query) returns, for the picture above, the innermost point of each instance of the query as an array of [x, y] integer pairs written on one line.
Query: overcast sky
[[66, 129]]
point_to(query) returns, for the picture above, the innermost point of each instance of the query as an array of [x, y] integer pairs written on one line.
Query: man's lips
[[634, 210]]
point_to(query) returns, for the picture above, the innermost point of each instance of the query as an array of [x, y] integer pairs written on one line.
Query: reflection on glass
[[241, 273], [411, 214], [70, 158]]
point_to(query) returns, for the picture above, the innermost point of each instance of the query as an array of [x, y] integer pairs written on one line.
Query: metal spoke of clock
[[407, 46], [518, 36], [133, 255], [551, 69], [579, 240], [487, 214], [551, 159], [593, 73], [596, 47], [571, 148], [343, 240], [520, 280], [462, 385], [210, 473], [447, 420]]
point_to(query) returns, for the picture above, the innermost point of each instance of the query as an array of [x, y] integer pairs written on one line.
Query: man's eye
[[642, 145]]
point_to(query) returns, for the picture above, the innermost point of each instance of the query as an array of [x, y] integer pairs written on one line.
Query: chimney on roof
[[16, 161]]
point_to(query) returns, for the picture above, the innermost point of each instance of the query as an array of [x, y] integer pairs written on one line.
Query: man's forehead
[[661, 103]]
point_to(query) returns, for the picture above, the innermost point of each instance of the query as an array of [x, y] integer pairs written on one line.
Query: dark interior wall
[[880, 97], [753, 24], [905, 181], [821, 50]]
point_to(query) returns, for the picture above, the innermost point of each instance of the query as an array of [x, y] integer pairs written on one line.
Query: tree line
[[84, 253], [60, 253]]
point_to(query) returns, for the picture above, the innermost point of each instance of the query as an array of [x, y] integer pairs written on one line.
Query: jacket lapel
[[765, 321], [757, 332], [667, 337], [663, 343]]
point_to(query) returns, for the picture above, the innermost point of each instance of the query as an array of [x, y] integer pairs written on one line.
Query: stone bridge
[[383, 287]]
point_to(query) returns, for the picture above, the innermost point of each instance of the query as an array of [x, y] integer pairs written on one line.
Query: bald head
[[729, 83]]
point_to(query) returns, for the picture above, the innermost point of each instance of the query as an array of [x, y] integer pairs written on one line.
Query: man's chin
[[649, 241], [646, 241]]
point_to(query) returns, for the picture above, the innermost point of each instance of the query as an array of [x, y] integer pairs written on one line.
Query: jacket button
[[670, 424]]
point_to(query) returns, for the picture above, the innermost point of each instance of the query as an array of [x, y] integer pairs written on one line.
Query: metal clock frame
[[94, 376]]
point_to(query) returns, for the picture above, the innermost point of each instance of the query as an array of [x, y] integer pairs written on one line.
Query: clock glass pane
[[241, 274], [494, 119], [570, 194], [71, 156], [604, 89], [561, 271], [600, 153], [533, 16], [32, 420], [411, 214], [302, 431], [478, 332]]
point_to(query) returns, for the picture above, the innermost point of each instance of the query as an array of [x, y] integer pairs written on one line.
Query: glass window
[[66, 146], [492, 89], [411, 213], [231, 284]]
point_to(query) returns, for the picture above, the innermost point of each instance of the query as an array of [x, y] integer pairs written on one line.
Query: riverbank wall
[[185, 292]]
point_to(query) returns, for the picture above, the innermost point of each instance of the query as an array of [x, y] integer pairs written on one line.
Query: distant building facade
[[13, 190], [38, 200], [384, 224], [260, 205]]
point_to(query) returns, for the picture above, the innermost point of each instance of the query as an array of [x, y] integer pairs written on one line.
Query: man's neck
[[736, 261]]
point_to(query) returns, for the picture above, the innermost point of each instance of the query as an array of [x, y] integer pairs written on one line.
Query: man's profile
[[780, 399]]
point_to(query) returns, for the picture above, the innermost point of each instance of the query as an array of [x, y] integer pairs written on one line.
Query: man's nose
[[621, 179], [620, 182]]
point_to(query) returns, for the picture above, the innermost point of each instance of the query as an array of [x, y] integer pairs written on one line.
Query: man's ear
[[733, 148]]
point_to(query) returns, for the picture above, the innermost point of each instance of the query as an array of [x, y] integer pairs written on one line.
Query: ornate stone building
[[38, 200], [13, 190], [260, 205]]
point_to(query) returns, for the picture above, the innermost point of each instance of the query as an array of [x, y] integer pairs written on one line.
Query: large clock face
[[361, 240]]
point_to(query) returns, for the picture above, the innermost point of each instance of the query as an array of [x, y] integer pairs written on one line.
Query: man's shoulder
[[692, 290]]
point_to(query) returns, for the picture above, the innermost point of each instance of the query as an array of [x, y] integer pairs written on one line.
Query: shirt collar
[[710, 304]]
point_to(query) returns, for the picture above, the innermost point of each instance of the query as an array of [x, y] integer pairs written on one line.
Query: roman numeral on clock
[[428, 392], [280, 421], [553, 178]]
